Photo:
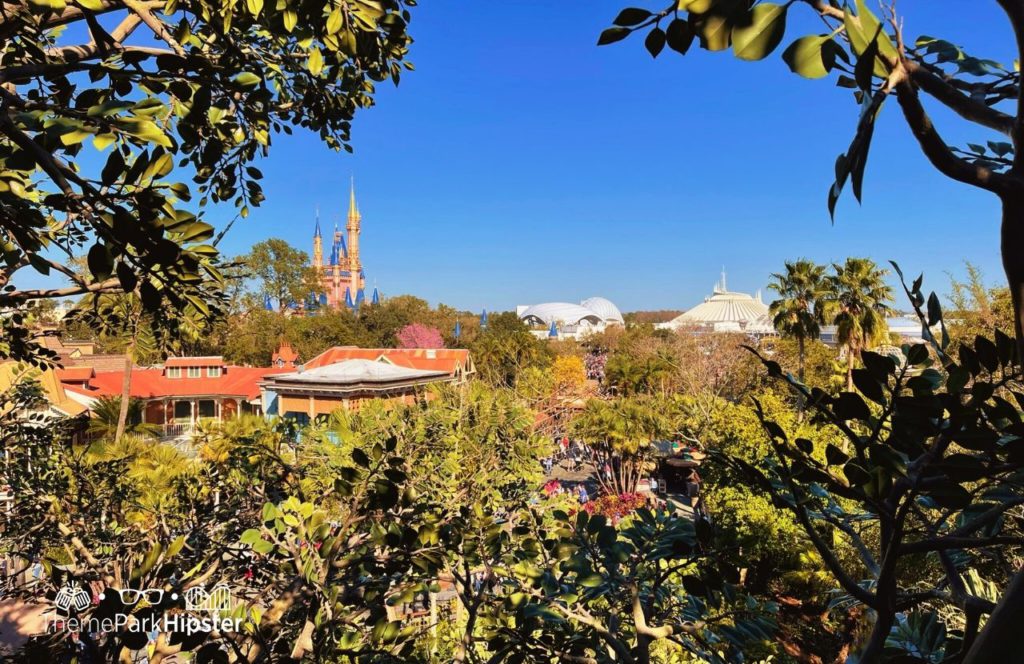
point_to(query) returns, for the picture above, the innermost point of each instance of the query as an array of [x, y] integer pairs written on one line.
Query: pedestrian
[[581, 492]]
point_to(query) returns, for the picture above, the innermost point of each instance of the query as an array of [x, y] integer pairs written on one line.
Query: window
[[194, 372], [213, 372], [174, 372]]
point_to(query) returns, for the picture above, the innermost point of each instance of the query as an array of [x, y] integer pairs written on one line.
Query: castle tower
[[318, 245], [354, 221]]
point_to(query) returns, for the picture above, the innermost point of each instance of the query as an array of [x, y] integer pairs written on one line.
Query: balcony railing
[[174, 430]]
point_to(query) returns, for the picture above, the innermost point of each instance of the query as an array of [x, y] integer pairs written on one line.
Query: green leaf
[[835, 456], [679, 36], [74, 137], [810, 57], [247, 79], [289, 18], [612, 35], [334, 21], [632, 16], [863, 70], [714, 31], [250, 536], [103, 141], [655, 42], [254, 6], [315, 62], [147, 130], [99, 261], [763, 34]]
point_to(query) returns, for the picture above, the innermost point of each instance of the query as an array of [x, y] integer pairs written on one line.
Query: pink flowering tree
[[417, 335]]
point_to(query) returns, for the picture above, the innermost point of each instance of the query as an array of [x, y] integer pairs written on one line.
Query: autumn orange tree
[[871, 55]]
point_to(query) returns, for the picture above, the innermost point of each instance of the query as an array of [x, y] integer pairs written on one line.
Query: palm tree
[[858, 303], [106, 415], [797, 314], [620, 432]]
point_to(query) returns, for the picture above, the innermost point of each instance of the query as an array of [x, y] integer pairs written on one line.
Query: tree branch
[[936, 150], [156, 25], [967, 108]]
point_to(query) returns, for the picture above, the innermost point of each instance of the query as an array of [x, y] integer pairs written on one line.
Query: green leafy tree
[[283, 272], [872, 56], [621, 432], [857, 304], [505, 349], [106, 417], [164, 91], [797, 314], [922, 496], [977, 308]]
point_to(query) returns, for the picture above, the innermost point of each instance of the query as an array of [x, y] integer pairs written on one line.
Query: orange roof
[[207, 361], [151, 383], [430, 359], [75, 374], [285, 353]]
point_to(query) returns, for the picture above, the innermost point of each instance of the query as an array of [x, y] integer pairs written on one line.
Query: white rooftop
[[356, 371]]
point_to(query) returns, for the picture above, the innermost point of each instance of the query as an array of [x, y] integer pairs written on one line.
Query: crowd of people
[[574, 457]]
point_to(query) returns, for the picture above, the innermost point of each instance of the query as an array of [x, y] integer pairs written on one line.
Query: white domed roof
[[558, 313], [725, 307], [604, 308]]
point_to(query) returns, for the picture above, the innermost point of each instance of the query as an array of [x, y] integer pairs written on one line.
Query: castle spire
[[353, 208], [354, 265], [318, 246], [724, 289]]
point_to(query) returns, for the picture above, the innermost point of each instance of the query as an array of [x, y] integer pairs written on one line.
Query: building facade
[[342, 279], [181, 393], [346, 377]]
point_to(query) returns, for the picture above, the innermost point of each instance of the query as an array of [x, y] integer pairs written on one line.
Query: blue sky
[[520, 163]]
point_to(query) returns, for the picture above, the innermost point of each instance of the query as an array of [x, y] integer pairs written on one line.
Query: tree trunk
[[849, 368], [126, 390], [802, 357], [999, 640], [801, 363], [1012, 244]]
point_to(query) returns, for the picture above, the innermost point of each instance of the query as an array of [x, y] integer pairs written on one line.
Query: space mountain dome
[[726, 311]]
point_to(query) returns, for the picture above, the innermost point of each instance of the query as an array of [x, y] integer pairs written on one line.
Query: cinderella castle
[[342, 278]]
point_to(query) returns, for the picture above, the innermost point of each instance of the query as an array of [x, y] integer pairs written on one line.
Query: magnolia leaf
[[655, 42], [290, 18], [810, 57], [612, 35], [763, 34], [679, 36], [334, 21], [316, 61], [632, 16]]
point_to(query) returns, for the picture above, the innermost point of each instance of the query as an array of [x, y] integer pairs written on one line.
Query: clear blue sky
[[520, 163]]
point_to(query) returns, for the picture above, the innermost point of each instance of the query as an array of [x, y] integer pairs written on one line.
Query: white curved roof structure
[[726, 307], [560, 313], [605, 309], [727, 311]]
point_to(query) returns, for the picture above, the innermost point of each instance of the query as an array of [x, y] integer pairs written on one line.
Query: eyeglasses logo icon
[[132, 596], [72, 596]]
